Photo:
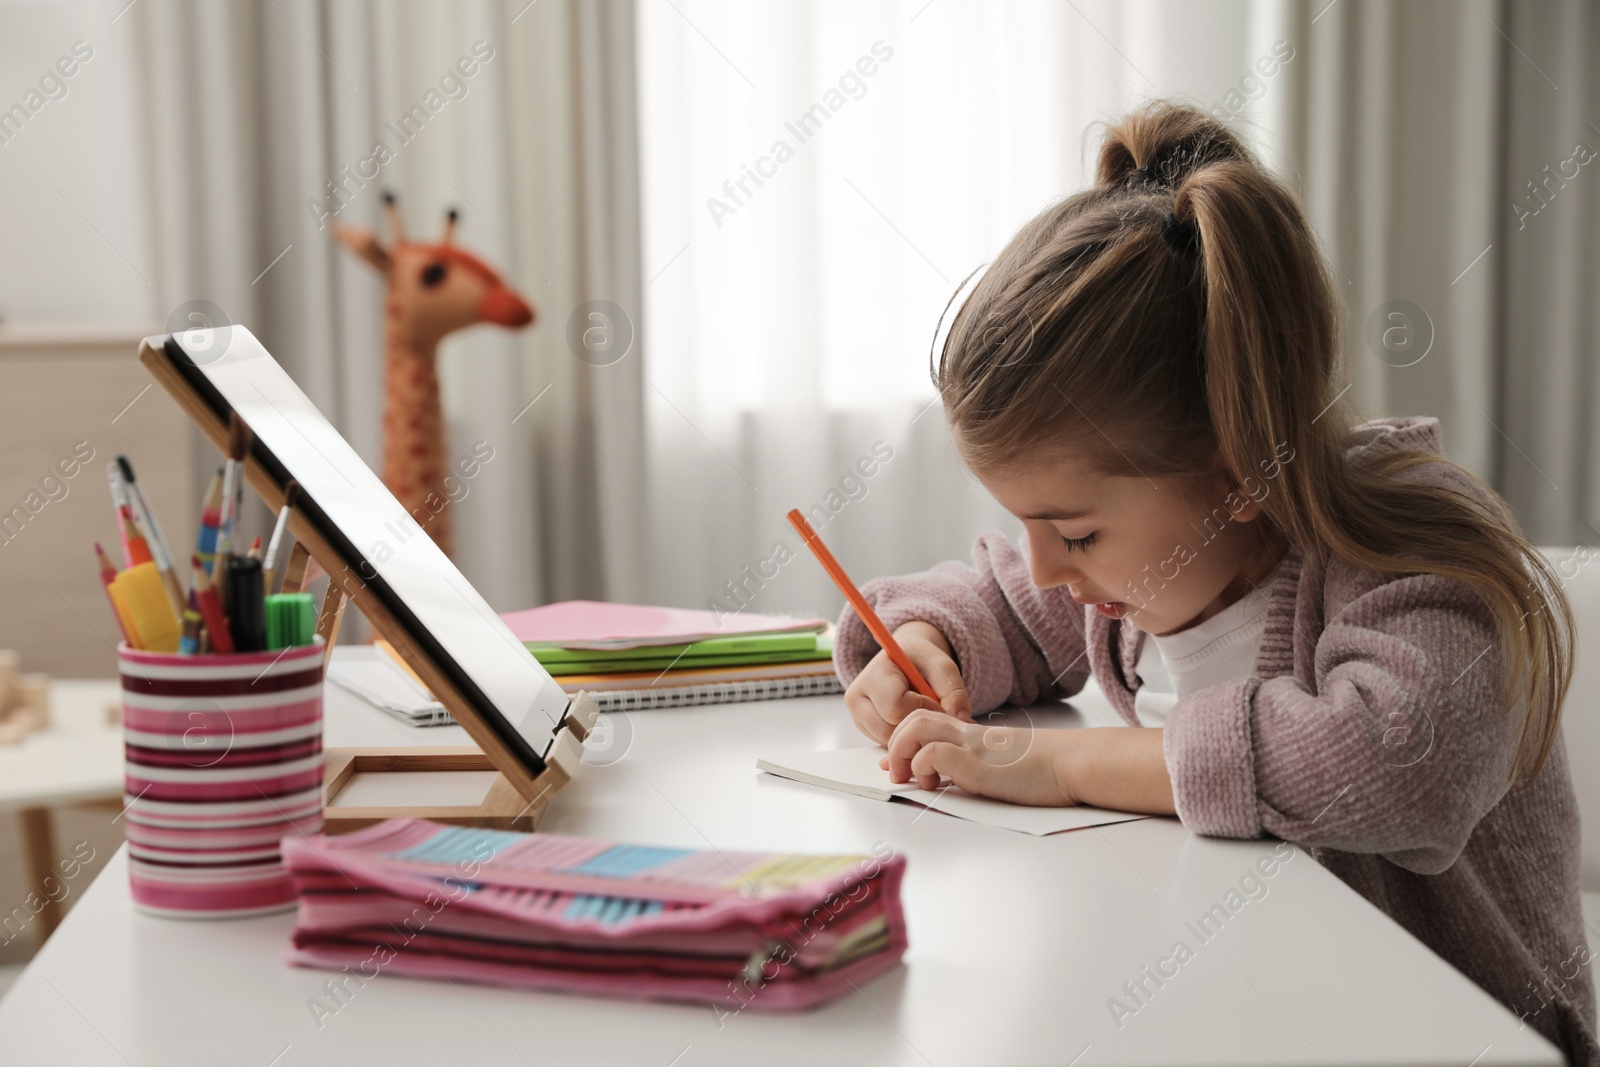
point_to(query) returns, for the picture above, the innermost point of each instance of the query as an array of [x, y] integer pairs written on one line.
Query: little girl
[[1350, 644]]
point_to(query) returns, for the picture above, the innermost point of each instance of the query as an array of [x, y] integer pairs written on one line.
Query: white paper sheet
[[856, 771]]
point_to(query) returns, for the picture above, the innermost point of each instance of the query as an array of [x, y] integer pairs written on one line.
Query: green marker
[[291, 620]]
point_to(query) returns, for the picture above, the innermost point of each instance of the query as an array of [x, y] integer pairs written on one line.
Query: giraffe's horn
[[391, 210], [450, 225]]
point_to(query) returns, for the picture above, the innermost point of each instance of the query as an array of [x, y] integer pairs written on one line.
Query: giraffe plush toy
[[433, 290]]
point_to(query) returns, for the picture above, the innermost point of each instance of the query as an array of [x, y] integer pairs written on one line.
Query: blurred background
[[761, 210]]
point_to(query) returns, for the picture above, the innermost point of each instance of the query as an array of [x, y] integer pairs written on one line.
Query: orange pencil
[[137, 548], [880, 632]]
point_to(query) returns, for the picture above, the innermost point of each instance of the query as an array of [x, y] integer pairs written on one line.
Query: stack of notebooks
[[631, 657], [759, 930]]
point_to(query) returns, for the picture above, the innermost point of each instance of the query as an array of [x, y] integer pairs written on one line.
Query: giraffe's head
[[434, 289]]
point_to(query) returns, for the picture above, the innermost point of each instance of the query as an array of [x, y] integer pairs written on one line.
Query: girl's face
[[1166, 552]]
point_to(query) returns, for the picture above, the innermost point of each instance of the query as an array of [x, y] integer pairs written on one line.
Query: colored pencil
[[108, 574], [189, 643], [880, 632], [135, 548], [210, 519], [211, 609]]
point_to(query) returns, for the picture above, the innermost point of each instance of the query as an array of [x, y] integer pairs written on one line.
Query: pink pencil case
[[765, 931]]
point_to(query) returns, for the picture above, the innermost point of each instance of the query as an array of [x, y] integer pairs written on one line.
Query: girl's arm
[[1116, 767], [1400, 748], [1014, 642]]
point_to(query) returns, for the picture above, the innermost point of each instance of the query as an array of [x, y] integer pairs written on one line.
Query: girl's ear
[[1218, 483], [1242, 505], [1241, 497]]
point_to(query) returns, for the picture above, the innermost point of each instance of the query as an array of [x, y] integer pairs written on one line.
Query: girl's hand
[[1013, 763], [881, 697]]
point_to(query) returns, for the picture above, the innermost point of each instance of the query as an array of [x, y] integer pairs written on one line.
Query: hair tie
[[1181, 234]]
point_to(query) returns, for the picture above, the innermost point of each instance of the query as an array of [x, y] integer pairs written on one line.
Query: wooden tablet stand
[[516, 796]]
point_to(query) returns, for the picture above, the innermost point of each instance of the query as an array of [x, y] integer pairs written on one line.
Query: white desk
[[1017, 943]]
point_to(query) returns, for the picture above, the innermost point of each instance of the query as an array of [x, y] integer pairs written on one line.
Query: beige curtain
[[250, 110], [1418, 128], [1411, 129], [1550, 333]]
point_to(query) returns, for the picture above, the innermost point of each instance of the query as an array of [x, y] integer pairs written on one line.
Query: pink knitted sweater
[[1370, 732]]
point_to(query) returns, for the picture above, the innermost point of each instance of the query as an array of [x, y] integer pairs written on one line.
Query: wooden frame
[[517, 796]]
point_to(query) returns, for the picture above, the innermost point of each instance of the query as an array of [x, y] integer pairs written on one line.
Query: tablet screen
[[382, 543]]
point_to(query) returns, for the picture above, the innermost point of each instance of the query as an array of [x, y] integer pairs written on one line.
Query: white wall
[[73, 239]]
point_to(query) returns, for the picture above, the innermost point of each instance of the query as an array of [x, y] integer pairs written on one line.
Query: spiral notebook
[[388, 684], [677, 696]]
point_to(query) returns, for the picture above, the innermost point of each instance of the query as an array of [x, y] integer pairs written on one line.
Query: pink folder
[[596, 624]]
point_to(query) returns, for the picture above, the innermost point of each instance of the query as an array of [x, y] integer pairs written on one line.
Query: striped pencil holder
[[224, 759]]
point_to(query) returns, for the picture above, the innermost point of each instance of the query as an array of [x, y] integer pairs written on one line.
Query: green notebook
[[712, 652]]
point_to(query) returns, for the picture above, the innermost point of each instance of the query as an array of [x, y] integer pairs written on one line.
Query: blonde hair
[[1180, 311]]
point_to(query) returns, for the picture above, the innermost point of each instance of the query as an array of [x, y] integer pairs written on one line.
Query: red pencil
[[108, 574], [879, 631], [211, 609]]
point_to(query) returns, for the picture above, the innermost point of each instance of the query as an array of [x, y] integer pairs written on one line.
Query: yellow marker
[[129, 630], [144, 598]]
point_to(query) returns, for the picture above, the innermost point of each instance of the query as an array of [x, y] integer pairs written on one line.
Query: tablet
[[379, 541]]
